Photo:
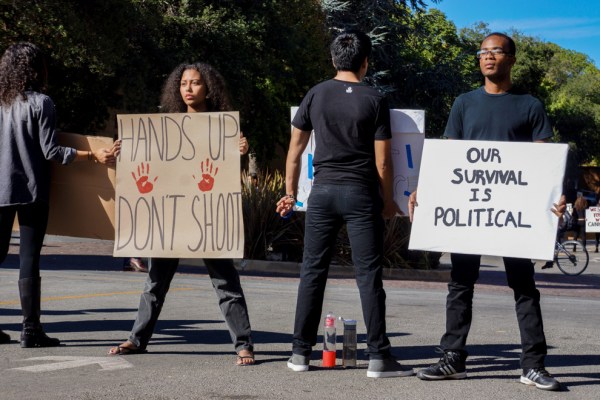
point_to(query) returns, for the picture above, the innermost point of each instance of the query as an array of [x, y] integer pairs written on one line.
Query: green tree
[[433, 65], [533, 59], [109, 55], [85, 42], [575, 111], [383, 20], [418, 57]]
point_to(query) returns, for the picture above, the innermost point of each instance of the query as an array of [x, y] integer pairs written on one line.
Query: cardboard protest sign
[[178, 186], [592, 219], [490, 198], [82, 194], [408, 128]]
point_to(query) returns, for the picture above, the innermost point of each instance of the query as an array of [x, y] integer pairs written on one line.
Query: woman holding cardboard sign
[[27, 143], [194, 88]]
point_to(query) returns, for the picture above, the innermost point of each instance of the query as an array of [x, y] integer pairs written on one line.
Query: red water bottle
[[329, 356]]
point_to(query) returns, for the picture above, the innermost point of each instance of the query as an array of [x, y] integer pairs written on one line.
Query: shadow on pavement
[[497, 277]]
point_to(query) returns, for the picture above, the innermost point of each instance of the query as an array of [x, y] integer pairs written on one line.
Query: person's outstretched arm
[[298, 143]]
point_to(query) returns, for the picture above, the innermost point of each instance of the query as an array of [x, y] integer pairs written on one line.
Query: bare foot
[[245, 357], [124, 349]]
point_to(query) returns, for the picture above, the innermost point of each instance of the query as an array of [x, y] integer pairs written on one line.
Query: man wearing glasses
[[495, 111]]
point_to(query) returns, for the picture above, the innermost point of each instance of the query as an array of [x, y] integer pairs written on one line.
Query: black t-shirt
[[512, 117], [347, 118]]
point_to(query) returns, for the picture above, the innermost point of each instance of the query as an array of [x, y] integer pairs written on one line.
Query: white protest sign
[[178, 186], [592, 219], [489, 198], [305, 181], [408, 128], [408, 134]]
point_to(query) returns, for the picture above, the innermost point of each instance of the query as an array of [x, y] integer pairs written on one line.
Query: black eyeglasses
[[494, 52]]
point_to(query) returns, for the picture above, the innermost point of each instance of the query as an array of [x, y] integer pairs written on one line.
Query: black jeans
[[329, 207], [226, 282], [459, 306], [33, 220]]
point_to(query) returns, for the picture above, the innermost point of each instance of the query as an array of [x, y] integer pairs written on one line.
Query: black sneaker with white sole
[[540, 378], [450, 366]]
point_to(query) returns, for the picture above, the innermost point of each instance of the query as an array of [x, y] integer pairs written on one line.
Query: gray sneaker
[[298, 363], [387, 368]]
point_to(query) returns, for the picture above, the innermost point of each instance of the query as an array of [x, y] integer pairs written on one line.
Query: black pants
[[33, 220], [226, 282], [329, 207], [459, 306]]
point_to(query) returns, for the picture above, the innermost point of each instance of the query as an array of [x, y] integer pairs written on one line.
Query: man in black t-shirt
[[353, 177], [497, 112]]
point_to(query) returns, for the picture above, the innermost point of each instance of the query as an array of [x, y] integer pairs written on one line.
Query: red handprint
[[208, 180], [143, 185]]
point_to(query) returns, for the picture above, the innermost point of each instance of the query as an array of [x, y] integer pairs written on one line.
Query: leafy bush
[[268, 235], [395, 248], [265, 231]]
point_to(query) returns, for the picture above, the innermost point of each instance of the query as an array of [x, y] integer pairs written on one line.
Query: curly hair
[[217, 97], [22, 67]]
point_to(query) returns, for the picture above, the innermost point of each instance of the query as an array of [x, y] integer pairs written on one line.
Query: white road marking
[[66, 362]]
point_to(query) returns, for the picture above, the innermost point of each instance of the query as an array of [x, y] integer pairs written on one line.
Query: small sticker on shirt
[[349, 90]]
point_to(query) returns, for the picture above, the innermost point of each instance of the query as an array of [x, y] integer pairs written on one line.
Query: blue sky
[[574, 25]]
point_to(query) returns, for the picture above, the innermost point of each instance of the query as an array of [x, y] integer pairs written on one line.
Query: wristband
[[288, 215]]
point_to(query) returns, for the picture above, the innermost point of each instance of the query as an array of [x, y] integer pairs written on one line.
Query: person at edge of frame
[[27, 143]]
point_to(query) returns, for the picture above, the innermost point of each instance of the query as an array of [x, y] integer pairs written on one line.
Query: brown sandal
[[136, 264], [122, 350]]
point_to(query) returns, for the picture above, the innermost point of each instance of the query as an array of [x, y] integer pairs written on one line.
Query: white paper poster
[[592, 219], [408, 134], [489, 198], [305, 181]]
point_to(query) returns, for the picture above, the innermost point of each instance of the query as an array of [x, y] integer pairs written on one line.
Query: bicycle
[[571, 257]]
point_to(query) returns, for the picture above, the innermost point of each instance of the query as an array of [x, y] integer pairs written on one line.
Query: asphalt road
[[89, 303]]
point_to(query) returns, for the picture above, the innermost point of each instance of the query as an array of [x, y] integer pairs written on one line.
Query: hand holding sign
[[142, 178], [412, 203], [560, 207], [244, 146]]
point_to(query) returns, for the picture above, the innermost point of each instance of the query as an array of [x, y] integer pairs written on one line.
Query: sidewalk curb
[[263, 267], [102, 250]]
